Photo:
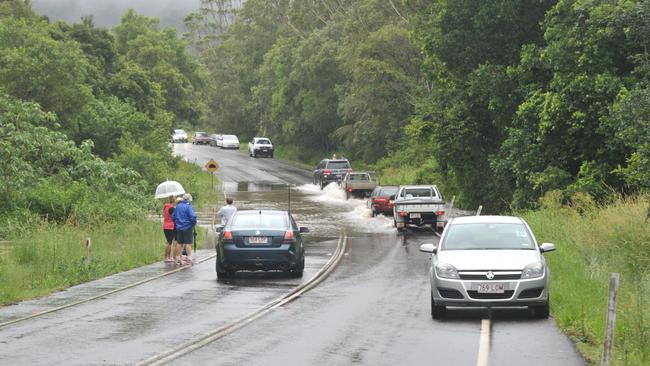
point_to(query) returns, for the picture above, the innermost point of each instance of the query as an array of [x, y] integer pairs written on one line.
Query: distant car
[[358, 184], [260, 146], [260, 240], [213, 139], [229, 142], [488, 261], [330, 170], [381, 200], [179, 136], [200, 138]]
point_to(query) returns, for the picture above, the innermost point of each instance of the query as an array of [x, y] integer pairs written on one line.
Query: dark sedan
[[381, 200], [260, 241]]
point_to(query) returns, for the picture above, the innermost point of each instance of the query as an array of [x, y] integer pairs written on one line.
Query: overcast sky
[[107, 13]]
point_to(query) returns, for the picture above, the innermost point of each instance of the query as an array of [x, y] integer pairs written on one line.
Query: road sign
[[212, 165]]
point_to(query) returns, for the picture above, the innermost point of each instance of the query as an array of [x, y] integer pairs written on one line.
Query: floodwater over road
[[372, 310]]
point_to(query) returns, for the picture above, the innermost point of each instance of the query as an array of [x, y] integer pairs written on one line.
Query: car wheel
[[254, 154], [437, 311], [374, 213], [221, 272], [297, 272], [271, 156], [541, 312]]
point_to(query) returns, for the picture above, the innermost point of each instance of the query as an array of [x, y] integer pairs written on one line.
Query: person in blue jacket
[[184, 221]]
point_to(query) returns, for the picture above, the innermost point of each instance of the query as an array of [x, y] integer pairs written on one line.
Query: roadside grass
[[591, 243], [51, 258]]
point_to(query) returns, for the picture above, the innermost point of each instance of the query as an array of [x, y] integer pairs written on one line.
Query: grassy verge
[[592, 242], [52, 257]]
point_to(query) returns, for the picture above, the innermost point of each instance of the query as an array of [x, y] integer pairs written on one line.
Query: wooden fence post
[[608, 344], [88, 244], [451, 205], [478, 212]]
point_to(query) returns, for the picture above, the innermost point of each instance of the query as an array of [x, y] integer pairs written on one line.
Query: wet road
[[373, 309]]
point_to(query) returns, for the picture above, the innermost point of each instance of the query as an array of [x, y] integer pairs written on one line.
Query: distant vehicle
[[213, 139], [330, 170], [179, 136], [260, 240], [229, 142], [419, 205], [200, 138], [358, 184], [260, 146], [488, 261], [381, 200]]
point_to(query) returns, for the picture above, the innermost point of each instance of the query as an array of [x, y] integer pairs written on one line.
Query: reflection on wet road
[[373, 309]]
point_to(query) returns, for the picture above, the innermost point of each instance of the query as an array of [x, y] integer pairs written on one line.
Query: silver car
[[488, 261]]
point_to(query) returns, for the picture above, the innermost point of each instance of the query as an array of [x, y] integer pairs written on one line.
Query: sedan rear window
[[387, 191], [230, 138], [259, 221], [264, 142], [487, 236]]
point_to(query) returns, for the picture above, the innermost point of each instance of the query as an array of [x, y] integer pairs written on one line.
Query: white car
[[179, 136], [488, 261], [228, 142], [260, 146]]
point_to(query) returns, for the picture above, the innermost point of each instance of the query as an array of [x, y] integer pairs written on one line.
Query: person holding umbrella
[[184, 221], [168, 228]]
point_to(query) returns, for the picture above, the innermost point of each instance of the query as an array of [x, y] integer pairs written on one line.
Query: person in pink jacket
[[168, 228]]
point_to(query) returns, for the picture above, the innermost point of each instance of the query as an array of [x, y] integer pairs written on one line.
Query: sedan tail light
[[379, 200], [440, 213], [403, 213], [327, 171], [289, 237], [227, 235], [350, 190]]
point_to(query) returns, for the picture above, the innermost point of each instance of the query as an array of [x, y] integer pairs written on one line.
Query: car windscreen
[[258, 221], [230, 138], [202, 134], [477, 236], [338, 165], [417, 192], [387, 191], [264, 142]]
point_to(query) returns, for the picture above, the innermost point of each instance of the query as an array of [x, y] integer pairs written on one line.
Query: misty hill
[[107, 13]]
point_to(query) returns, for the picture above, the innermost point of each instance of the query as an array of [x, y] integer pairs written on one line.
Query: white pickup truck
[[419, 205]]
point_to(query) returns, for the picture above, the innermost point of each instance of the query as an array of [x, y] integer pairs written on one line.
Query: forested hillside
[[85, 116], [498, 101]]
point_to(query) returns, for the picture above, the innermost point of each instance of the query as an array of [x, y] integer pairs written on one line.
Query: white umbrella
[[169, 188]]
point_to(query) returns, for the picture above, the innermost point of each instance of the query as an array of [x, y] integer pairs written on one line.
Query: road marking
[[484, 344], [49, 311], [214, 335]]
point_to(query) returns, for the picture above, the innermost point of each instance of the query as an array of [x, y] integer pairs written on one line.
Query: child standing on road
[[168, 228]]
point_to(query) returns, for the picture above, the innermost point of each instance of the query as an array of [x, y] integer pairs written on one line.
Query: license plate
[[415, 215], [258, 240], [490, 288]]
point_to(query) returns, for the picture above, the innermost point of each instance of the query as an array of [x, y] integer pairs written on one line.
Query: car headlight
[[444, 270], [533, 270]]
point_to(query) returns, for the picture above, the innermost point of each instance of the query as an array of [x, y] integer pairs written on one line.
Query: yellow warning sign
[[212, 165]]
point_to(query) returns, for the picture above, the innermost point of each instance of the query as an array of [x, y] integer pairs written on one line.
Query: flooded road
[[372, 310]]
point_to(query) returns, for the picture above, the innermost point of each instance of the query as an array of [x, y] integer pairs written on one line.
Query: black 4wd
[[330, 170]]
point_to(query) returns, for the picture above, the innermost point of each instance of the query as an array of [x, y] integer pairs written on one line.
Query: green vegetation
[[592, 242], [496, 101]]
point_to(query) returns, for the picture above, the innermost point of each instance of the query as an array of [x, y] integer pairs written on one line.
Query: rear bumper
[[384, 209], [263, 152], [237, 258]]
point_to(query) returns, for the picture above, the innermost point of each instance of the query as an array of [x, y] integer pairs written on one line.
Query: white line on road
[[484, 343]]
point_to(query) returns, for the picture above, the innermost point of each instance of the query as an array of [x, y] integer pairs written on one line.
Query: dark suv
[[330, 170]]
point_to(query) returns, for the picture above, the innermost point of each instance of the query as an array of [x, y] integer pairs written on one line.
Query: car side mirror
[[547, 247], [392, 197], [428, 248], [304, 229], [218, 228]]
